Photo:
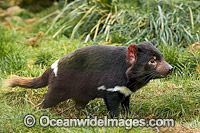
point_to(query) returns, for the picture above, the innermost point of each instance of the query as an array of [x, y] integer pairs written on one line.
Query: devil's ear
[[153, 41], [132, 53]]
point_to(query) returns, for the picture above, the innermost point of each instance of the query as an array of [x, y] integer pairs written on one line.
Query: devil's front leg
[[113, 100], [125, 104]]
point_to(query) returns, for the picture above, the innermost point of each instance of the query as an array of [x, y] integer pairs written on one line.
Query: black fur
[[81, 72]]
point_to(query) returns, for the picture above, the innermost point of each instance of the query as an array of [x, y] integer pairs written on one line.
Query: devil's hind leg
[[52, 98]]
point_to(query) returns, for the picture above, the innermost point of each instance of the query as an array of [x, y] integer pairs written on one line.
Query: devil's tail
[[33, 83]]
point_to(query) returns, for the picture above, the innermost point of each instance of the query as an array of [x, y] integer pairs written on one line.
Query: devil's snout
[[164, 69], [170, 68]]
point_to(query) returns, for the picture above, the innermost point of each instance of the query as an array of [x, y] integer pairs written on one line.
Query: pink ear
[[132, 53]]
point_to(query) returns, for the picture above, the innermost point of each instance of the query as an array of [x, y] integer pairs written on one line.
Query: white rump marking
[[122, 89], [54, 66]]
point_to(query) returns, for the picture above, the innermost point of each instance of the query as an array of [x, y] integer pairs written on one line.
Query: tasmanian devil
[[109, 72]]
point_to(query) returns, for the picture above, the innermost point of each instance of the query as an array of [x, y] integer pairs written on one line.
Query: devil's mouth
[[162, 75]]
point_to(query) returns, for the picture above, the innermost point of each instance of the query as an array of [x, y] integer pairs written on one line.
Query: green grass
[[177, 96], [170, 22]]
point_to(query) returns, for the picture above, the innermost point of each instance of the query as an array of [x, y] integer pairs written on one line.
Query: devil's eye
[[152, 62]]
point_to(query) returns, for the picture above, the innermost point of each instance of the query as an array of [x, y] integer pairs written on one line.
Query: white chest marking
[[54, 66], [101, 88], [122, 89]]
